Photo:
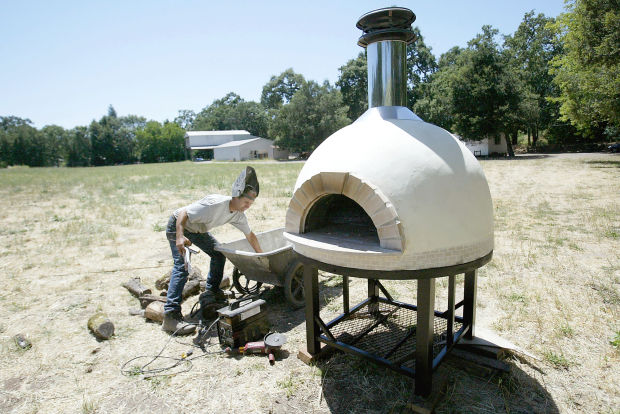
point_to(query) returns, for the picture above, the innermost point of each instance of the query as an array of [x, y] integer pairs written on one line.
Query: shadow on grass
[[604, 164], [352, 385], [520, 157], [283, 316]]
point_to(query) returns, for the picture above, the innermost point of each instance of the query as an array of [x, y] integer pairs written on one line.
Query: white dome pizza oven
[[390, 191], [391, 197]]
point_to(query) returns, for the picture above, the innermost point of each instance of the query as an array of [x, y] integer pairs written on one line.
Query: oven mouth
[[345, 211], [337, 217]]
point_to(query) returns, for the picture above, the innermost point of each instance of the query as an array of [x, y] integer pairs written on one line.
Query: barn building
[[235, 145]]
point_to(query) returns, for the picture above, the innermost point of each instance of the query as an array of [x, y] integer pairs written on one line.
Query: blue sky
[[64, 62]]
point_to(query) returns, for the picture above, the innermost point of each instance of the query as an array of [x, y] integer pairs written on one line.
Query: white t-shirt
[[213, 211]]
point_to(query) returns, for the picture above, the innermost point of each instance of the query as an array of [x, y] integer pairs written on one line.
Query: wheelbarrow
[[277, 266]]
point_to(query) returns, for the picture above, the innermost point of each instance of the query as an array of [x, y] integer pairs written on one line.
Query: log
[[101, 326], [145, 300], [136, 288], [191, 288], [163, 282], [155, 311]]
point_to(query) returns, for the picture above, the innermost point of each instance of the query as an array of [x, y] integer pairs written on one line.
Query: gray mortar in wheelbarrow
[[277, 265]]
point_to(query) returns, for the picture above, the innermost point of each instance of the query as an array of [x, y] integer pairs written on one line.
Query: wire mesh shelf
[[388, 330]]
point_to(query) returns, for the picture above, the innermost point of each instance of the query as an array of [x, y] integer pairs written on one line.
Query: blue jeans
[[179, 275]]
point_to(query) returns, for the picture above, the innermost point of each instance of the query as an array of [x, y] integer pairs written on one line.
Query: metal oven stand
[[409, 339]]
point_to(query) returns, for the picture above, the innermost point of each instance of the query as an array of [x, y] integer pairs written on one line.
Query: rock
[[22, 341]]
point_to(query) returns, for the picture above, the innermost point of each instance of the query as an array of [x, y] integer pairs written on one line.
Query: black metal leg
[[373, 294], [424, 341], [345, 294], [451, 298], [373, 289], [469, 305], [311, 288]]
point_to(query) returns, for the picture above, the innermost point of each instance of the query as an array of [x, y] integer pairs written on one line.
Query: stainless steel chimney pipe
[[387, 73], [386, 35]]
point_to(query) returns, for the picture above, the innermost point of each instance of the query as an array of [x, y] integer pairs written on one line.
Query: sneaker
[[174, 323]]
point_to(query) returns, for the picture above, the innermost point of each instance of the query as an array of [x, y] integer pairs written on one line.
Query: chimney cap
[[389, 23]]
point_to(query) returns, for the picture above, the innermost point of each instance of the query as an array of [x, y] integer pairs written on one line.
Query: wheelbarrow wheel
[[294, 285], [244, 285]]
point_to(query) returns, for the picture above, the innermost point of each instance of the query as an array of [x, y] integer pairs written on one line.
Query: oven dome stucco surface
[[433, 181]]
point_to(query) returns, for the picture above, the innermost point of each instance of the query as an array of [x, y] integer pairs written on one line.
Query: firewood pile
[[152, 305]]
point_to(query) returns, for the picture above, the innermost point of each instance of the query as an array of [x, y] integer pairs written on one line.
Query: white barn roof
[[238, 143], [207, 133]]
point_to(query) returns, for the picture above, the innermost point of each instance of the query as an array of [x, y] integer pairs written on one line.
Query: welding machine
[[242, 321]]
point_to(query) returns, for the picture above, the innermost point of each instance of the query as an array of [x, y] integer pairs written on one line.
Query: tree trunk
[[136, 288], [511, 152], [528, 137], [101, 326]]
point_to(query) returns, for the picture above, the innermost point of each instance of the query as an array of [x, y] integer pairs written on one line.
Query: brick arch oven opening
[[339, 206], [341, 218]]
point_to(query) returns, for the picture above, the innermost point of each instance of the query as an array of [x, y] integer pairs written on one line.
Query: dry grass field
[[70, 237]]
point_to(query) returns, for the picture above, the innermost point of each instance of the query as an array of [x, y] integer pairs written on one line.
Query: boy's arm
[[182, 241], [254, 242]]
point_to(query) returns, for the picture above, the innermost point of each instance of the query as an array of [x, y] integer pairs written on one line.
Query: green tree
[[474, 92], [434, 104], [185, 119], [149, 145], [102, 136], [231, 113], [280, 89], [353, 84], [54, 137], [157, 143], [529, 52], [421, 64], [8, 131], [29, 147], [77, 148], [112, 138], [313, 113], [485, 92], [22, 144], [588, 72], [353, 78], [174, 141]]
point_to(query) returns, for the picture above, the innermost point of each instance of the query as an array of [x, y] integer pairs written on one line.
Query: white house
[[237, 145], [486, 146]]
